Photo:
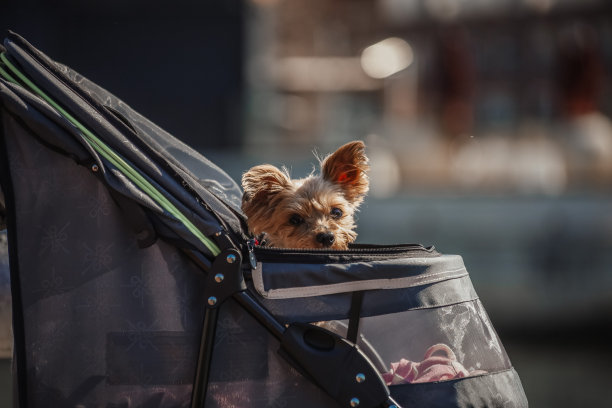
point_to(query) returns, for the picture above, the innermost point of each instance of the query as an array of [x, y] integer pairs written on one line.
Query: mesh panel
[[429, 345], [247, 370], [105, 323]]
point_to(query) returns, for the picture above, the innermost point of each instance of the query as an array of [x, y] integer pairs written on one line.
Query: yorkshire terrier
[[313, 212]]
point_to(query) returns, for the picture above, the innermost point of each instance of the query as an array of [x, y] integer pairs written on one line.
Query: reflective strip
[[352, 286]]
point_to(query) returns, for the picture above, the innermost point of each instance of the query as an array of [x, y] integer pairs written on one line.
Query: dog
[[317, 211]]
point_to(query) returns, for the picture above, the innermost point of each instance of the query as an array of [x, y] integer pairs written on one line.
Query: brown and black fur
[[313, 212]]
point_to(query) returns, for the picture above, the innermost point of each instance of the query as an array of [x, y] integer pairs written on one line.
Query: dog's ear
[[260, 183], [348, 167]]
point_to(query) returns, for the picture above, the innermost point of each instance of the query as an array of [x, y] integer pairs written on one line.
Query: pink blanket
[[439, 363]]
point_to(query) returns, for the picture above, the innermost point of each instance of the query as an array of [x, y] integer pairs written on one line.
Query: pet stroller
[[134, 282]]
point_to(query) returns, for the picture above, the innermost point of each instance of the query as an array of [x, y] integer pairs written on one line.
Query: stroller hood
[[194, 185]]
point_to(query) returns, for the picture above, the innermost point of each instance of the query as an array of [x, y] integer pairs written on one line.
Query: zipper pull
[[251, 247]]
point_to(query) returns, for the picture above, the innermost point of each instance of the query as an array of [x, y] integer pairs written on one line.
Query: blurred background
[[487, 124]]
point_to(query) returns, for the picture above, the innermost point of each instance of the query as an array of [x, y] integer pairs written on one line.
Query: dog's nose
[[325, 238]]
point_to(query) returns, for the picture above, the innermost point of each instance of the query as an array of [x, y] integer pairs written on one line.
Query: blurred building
[[179, 62], [467, 95]]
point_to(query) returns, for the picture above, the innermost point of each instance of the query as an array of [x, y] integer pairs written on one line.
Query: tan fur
[[272, 199]]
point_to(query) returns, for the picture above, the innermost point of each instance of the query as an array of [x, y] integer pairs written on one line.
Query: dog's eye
[[336, 212], [296, 220]]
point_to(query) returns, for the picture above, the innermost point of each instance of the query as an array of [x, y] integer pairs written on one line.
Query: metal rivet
[[218, 234], [219, 277], [94, 167], [212, 300], [360, 377], [231, 258], [354, 402]]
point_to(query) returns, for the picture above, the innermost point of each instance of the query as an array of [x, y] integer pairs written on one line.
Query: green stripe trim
[[116, 160], [6, 75]]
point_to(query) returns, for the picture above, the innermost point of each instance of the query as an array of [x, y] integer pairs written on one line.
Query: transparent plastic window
[[428, 345]]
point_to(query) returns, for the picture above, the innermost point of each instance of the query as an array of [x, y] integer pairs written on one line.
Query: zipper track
[[354, 253], [351, 250]]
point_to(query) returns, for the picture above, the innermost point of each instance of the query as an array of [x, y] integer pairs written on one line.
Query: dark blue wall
[[179, 63]]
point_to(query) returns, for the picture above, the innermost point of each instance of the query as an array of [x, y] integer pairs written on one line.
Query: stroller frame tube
[[198, 396], [225, 279], [231, 284]]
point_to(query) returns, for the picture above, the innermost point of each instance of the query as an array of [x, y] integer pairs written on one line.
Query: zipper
[[355, 248], [251, 248], [355, 253]]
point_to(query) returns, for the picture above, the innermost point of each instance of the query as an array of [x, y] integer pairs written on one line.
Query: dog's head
[[313, 212]]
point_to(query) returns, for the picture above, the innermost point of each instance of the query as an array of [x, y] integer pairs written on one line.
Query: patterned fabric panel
[[106, 323]]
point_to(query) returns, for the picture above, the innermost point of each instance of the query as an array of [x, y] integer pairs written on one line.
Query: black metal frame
[[332, 362], [198, 396]]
